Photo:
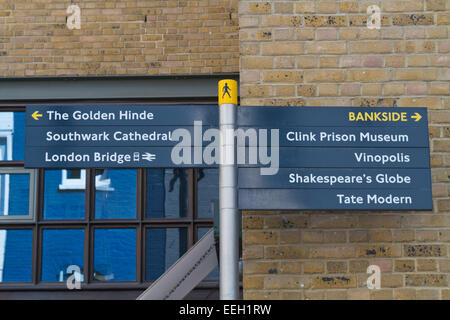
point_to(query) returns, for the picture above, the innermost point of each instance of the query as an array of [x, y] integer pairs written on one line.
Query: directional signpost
[[270, 158], [341, 159], [118, 136]]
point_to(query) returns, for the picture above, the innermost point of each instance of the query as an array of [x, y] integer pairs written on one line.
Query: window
[[17, 194], [75, 179], [121, 228]]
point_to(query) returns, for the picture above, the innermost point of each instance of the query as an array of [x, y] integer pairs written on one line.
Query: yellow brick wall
[[321, 53], [118, 37]]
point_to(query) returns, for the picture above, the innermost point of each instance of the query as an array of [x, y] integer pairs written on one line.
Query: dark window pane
[[166, 193], [163, 247], [116, 199], [14, 194], [15, 255], [214, 275], [61, 248], [12, 135], [115, 254], [208, 192], [63, 199]]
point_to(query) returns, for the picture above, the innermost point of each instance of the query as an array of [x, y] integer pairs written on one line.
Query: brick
[[321, 282], [379, 221], [391, 281], [348, 6], [358, 294], [281, 21], [412, 19], [260, 267], [427, 294], [435, 5], [336, 294], [290, 267], [425, 250], [325, 21], [382, 294], [336, 267], [427, 265], [358, 266], [404, 265], [313, 267], [380, 236], [328, 90], [404, 294], [369, 75], [306, 90], [253, 252], [371, 47], [426, 280], [286, 282], [258, 237], [444, 265], [289, 236], [281, 48], [424, 221], [305, 62], [253, 282], [284, 7], [286, 252], [260, 8], [252, 222], [304, 7], [282, 76], [325, 47], [375, 251], [332, 221], [336, 251]]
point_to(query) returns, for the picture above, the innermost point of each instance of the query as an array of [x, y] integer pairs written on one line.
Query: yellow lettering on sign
[[378, 116]]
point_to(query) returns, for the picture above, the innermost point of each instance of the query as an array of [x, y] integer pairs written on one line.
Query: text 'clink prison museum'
[[347, 196]]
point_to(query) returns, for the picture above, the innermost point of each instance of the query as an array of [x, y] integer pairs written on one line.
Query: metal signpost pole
[[228, 192]]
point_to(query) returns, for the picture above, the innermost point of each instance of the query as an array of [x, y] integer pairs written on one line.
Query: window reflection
[[62, 203], [14, 194], [167, 193], [12, 135], [15, 255], [164, 246], [208, 193], [115, 254], [116, 198], [62, 248]]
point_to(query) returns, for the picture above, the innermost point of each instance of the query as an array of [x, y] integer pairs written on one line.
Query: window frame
[[31, 216]]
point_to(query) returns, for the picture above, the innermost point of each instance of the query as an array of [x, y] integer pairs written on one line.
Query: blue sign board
[[338, 158], [321, 157]]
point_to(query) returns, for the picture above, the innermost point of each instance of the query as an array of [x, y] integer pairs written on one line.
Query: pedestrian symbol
[[227, 91]]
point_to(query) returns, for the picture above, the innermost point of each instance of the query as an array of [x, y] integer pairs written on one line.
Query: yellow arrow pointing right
[[36, 115], [416, 116]]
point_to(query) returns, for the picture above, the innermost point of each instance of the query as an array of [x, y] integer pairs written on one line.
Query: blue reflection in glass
[[163, 248], [115, 254], [118, 199], [59, 201], [15, 255], [214, 275], [19, 136], [61, 248], [208, 192], [166, 193], [14, 194]]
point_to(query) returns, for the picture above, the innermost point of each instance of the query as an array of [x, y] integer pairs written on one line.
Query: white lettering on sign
[[373, 199]]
